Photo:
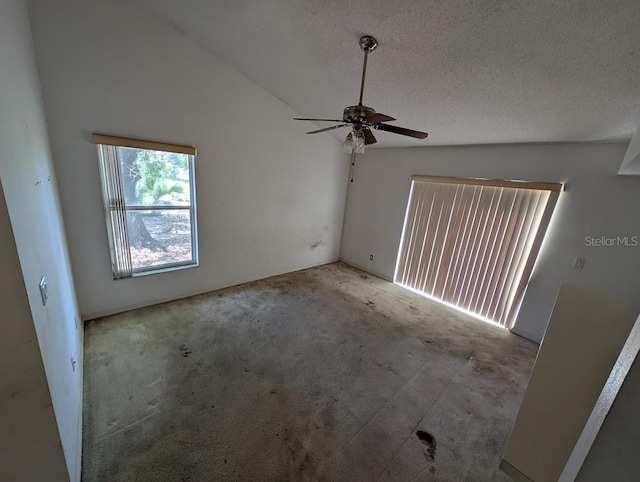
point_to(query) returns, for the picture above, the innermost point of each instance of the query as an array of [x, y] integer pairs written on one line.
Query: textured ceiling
[[467, 72]]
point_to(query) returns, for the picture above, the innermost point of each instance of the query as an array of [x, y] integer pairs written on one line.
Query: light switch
[[578, 263]]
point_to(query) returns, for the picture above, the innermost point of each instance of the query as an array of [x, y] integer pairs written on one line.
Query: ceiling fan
[[362, 118]]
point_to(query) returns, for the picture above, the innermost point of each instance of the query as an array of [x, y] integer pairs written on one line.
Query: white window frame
[[113, 182]]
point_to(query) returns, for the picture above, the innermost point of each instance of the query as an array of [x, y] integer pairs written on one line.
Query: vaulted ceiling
[[467, 72]]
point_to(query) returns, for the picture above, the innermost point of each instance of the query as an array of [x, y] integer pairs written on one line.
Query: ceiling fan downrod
[[367, 44]]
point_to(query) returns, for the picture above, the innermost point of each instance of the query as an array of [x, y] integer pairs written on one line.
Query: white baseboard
[[144, 304], [525, 334]]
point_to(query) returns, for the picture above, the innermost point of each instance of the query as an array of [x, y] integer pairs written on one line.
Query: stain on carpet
[[185, 351], [430, 442]]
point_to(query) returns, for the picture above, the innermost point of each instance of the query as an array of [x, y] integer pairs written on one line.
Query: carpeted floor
[[323, 374]]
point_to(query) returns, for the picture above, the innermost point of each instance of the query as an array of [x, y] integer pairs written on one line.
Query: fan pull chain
[[353, 166]]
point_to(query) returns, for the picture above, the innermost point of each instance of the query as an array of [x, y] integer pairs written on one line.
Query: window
[[472, 243], [149, 200]]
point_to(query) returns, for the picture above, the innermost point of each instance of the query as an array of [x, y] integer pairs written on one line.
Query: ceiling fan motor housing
[[357, 113]]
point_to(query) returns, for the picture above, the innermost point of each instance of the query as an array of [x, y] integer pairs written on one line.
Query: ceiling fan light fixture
[[358, 144], [348, 144]]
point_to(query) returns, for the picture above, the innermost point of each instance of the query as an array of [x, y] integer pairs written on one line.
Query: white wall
[[31, 198], [29, 431], [614, 453], [596, 203], [631, 162], [270, 199]]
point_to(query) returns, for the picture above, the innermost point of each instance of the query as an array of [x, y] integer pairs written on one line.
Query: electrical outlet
[[44, 292]]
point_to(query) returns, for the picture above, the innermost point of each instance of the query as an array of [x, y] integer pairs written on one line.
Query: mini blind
[[473, 243]]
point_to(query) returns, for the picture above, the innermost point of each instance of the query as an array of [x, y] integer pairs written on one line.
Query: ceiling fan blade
[[326, 129], [369, 138], [377, 118], [319, 120], [401, 130]]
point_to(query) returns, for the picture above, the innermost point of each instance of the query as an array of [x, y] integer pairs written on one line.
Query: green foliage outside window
[[163, 177]]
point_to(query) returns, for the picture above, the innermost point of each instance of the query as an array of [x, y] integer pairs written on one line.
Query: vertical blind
[[473, 244], [116, 213]]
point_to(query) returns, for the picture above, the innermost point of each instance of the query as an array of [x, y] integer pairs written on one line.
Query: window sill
[[164, 269]]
